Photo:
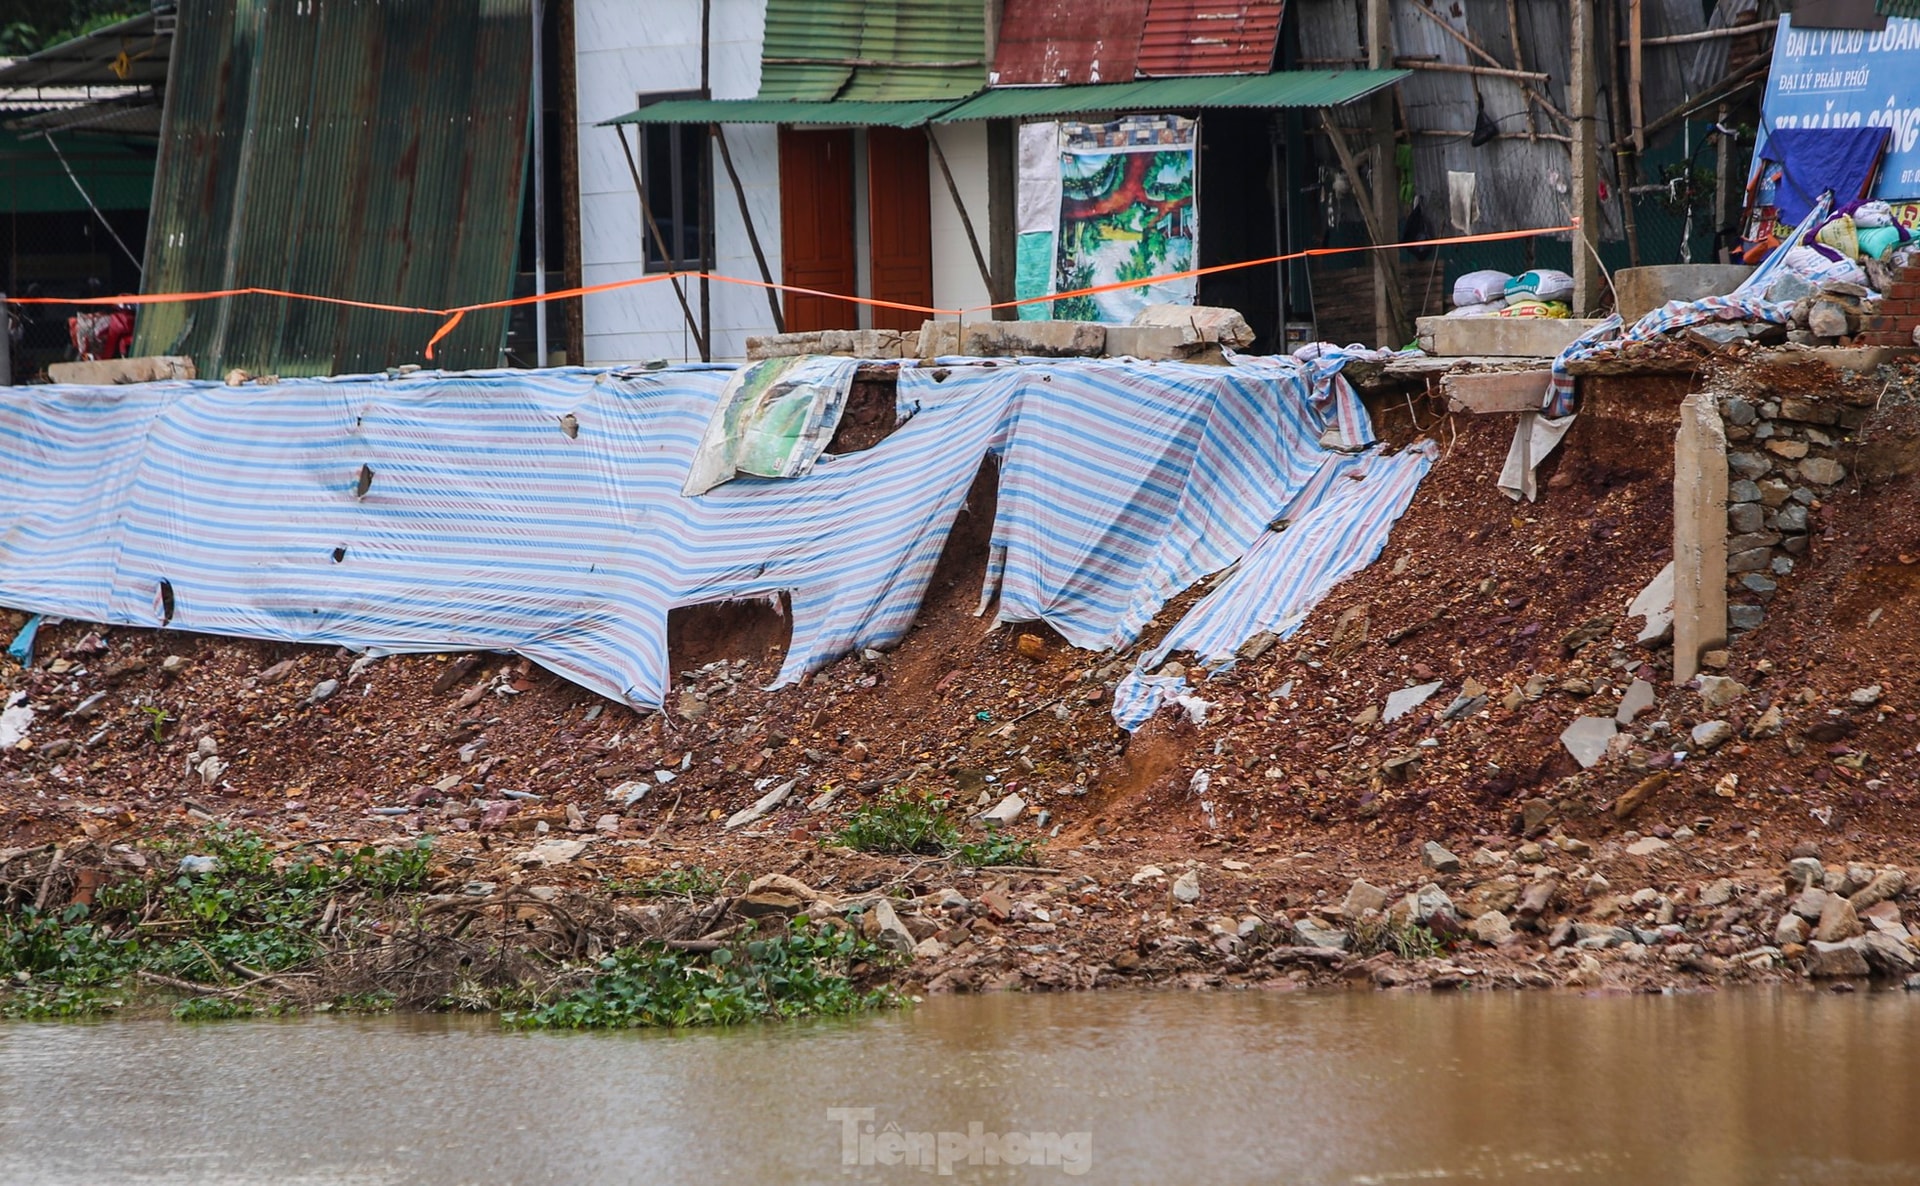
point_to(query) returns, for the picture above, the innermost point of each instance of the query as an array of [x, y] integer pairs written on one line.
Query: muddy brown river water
[[1756, 1087]]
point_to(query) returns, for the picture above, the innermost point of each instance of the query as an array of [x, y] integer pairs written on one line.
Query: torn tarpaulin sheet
[[540, 512], [1337, 526], [774, 420]]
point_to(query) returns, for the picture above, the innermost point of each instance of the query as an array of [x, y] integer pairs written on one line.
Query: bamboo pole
[[1363, 197], [1704, 35], [966, 220], [646, 215], [753, 236], [1636, 66]]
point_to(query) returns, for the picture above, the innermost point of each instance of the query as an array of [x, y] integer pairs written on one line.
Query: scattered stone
[[1429, 902], [1717, 691], [1865, 697], [1837, 921], [1642, 791], [1362, 897], [1586, 739], [1654, 603], [1810, 904], [1888, 955], [1646, 846], [1311, 932], [1827, 961], [1637, 699], [1717, 894], [1888, 883], [1005, 811], [552, 852], [881, 925], [1404, 701], [1186, 887], [1590, 631], [1791, 929], [1537, 899], [1436, 857], [1805, 869], [1711, 735], [1770, 724], [1822, 471], [766, 803], [1492, 928], [1487, 858], [323, 691]]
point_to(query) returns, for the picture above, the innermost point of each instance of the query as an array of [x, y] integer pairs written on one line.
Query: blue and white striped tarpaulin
[[541, 512], [1336, 527]]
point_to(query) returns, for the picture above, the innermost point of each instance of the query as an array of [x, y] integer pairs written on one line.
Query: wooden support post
[[1582, 96], [1003, 194], [666, 252], [1636, 75], [1368, 211], [1390, 328], [753, 236]]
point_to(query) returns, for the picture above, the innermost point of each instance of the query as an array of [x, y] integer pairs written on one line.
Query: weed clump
[[801, 971], [904, 823]]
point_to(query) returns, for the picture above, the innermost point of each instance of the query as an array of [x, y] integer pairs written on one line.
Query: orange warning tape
[[457, 312]]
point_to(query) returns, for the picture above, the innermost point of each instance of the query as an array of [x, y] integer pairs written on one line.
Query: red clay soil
[[1305, 789]]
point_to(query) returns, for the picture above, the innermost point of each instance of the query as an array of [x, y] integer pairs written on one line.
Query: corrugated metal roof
[[1904, 8], [1051, 42], [132, 52], [367, 149], [873, 50], [1301, 88], [1209, 37], [841, 113]]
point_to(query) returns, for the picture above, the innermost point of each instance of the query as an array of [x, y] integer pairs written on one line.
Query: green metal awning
[[1905, 8], [1298, 88], [785, 111]]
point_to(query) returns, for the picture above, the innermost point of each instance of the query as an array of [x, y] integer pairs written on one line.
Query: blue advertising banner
[[1849, 78]]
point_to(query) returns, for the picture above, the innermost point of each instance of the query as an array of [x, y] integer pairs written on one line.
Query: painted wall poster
[[1127, 212]]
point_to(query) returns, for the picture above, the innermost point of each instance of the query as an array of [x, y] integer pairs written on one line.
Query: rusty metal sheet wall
[[367, 149], [1068, 41], [1209, 37]]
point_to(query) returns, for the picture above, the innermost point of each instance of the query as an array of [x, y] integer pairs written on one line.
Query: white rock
[[1147, 873], [553, 852], [766, 803], [1586, 739], [1492, 928], [1404, 701], [1646, 846], [1712, 734], [1186, 887], [1005, 811], [1655, 604], [1638, 699]]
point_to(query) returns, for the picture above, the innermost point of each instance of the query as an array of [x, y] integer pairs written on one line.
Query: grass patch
[[799, 971], [692, 881], [904, 823]]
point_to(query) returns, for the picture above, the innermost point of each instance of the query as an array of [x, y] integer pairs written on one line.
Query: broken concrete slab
[[1637, 699], [1404, 701], [1202, 323], [1038, 339], [766, 803], [1153, 343], [1586, 739], [1505, 337], [1655, 604], [1495, 392]]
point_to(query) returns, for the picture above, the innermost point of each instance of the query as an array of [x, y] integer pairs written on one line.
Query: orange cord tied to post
[[457, 312]]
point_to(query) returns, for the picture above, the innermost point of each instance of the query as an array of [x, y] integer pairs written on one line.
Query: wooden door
[[816, 227], [899, 225]]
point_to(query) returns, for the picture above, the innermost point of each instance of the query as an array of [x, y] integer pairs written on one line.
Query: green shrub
[[900, 822]]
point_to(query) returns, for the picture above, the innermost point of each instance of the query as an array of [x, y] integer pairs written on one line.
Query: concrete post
[[1389, 329], [1582, 97], [1699, 535]]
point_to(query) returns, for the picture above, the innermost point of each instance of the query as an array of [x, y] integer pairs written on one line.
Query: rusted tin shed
[[367, 149]]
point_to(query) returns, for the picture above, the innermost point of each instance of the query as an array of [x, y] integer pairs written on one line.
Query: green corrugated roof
[[1299, 88], [784, 111], [873, 50], [373, 151], [1905, 8]]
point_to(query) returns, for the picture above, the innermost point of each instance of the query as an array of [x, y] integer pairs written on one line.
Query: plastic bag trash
[[21, 649], [195, 865]]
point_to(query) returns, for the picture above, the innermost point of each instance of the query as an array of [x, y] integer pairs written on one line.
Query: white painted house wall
[[956, 276], [623, 47]]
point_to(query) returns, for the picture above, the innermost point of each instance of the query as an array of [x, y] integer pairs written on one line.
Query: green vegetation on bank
[[218, 914], [803, 970], [905, 823]]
